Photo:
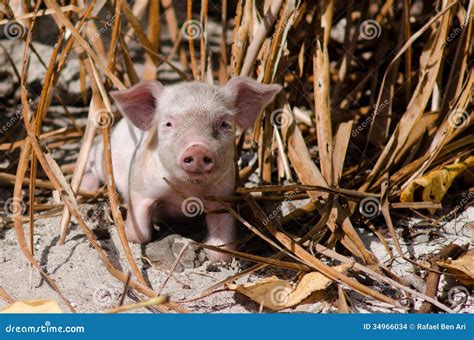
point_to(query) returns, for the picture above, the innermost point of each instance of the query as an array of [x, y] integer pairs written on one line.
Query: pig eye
[[168, 124], [225, 124]]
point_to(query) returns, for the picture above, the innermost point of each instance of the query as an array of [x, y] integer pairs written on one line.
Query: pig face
[[195, 124], [192, 124]]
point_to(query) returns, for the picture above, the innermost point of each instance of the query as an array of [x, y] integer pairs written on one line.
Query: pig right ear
[[139, 102], [250, 98]]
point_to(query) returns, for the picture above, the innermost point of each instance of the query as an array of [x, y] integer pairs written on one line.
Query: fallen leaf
[[277, 294], [462, 268], [33, 306], [436, 183]]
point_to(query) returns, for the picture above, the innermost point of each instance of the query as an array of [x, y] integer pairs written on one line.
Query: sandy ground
[[83, 279]]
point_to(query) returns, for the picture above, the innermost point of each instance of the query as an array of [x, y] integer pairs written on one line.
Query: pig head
[[183, 133]]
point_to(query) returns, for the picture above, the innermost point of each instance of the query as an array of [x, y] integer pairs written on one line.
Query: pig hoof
[[90, 182], [226, 243], [141, 240], [215, 256]]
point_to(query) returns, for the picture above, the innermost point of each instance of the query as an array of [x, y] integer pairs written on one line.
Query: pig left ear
[[139, 102], [250, 98]]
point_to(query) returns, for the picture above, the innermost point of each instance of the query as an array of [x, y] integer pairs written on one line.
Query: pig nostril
[[188, 160], [207, 160]]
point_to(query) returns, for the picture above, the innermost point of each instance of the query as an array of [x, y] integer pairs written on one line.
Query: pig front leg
[[138, 225], [221, 230]]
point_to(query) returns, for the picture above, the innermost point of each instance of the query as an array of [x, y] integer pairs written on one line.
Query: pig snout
[[197, 159]]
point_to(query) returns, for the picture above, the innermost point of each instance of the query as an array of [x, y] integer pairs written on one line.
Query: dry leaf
[[462, 268], [277, 294], [436, 183], [33, 306]]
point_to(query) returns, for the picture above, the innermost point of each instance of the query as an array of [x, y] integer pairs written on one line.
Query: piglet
[[184, 133]]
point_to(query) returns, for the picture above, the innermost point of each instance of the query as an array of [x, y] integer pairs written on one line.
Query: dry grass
[[366, 111]]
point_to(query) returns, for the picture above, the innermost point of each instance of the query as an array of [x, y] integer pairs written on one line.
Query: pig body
[[125, 139], [183, 133]]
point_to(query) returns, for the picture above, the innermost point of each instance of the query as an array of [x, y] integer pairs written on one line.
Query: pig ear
[[139, 102], [250, 98]]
